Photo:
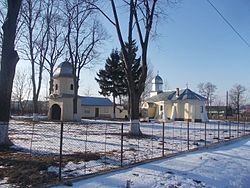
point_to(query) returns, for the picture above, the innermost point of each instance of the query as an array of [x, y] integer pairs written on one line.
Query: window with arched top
[[71, 87], [161, 108], [56, 87]]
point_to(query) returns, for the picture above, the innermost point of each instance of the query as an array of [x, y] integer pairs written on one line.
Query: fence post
[[105, 149], [218, 131], [163, 138], [244, 131], [188, 134], [86, 148], [205, 134], [229, 129], [122, 144], [238, 125], [60, 159]]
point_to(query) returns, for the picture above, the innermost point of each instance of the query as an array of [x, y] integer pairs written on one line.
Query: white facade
[[178, 105], [61, 100]]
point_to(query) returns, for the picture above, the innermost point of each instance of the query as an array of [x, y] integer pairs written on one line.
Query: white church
[[178, 105], [61, 100]]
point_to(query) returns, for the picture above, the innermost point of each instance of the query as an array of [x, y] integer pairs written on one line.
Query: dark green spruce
[[133, 74], [112, 79]]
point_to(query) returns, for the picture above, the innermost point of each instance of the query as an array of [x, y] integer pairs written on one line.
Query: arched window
[[71, 87], [56, 87], [161, 108]]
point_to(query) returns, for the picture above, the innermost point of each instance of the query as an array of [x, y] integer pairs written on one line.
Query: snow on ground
[[104, 138], [224, 166]]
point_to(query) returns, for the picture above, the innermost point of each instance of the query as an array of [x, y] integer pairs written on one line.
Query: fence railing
[[89, 147]]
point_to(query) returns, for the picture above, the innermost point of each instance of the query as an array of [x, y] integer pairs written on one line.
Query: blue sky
[[195, 45], [198, 46]]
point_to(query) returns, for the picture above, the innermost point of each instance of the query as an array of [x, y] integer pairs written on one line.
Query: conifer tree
[[111, 79], [133, 68]]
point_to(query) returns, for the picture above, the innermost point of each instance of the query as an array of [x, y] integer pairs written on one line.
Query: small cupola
[[63, 79], [63, 70], [157, 85]]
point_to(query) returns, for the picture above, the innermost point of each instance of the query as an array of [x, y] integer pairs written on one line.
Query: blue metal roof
[[95, 101]]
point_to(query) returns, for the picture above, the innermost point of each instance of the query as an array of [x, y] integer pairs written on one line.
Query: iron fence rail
[[89, 147]]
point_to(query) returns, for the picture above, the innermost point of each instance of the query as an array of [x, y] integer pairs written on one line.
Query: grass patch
[[25, 170]]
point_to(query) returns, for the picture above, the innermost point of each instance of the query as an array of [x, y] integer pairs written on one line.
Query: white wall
[[64, 85]]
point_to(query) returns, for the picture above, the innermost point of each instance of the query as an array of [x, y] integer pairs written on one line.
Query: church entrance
[[55, 112]]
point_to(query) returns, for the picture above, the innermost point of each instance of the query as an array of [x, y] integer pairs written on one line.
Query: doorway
[[55, 112], [97, 112]]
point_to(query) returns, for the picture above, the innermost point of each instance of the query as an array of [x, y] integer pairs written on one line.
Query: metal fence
[[91, 146]]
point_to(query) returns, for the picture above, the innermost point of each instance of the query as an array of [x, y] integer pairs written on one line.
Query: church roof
[[162, 96], [188, 94], [87, 101], [95, 101], [63, 70], [185, 94]]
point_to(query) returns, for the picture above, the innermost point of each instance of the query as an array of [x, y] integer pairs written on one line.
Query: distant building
[[215, 111], [178, 105], [61, 100]]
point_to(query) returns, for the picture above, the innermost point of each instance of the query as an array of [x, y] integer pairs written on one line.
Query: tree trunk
[[8, 66], [4, 138], [134, 118], [75, 107], [75, 101], [51, 82], [35, 108]]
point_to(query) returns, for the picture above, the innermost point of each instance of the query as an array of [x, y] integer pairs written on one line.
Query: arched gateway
[[55, 112]]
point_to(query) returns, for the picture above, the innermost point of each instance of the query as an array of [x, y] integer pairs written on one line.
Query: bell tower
[[63, 79], [61, 99], [157, 86]]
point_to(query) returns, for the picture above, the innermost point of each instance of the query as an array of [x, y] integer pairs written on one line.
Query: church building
[[61, 100], [178, 105]]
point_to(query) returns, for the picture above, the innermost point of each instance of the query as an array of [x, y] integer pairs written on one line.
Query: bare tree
[[3, 12], [55, 38], [84, 36], [166, 84], [207, 90], [237, 97], [36, 23], [148, 83], [21, 89], [9, 59], [141, 16]]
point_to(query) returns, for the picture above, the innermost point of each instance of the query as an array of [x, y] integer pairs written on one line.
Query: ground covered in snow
[[227, 165], [91, 146]]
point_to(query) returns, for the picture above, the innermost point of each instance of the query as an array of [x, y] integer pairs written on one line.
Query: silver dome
[[63, 70]]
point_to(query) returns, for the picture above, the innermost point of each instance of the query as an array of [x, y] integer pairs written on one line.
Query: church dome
[[63, 70], [157, 80]]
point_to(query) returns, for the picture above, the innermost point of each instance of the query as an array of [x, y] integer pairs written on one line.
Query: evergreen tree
[[133, 69], [111, 79]]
